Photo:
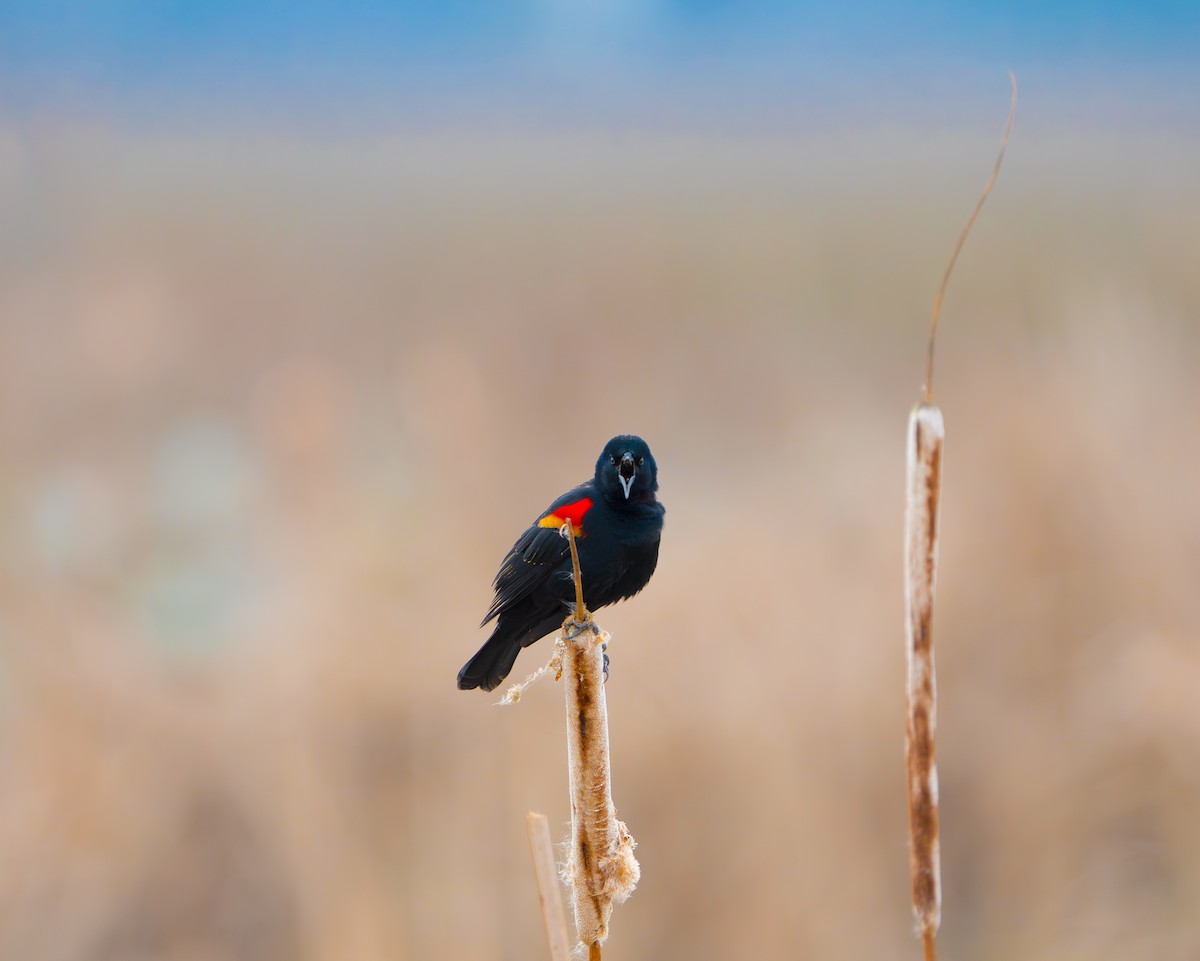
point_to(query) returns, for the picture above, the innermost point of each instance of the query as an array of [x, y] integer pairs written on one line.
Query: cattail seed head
[[925, 437], [601, 869]]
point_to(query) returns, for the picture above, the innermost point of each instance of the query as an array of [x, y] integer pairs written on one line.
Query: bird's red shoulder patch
[[572, 512]]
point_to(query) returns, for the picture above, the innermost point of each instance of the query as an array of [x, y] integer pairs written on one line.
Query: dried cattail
[[926, 434], [600, 869]]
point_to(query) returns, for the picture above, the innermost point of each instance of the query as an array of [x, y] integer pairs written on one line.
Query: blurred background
[[305, 314]]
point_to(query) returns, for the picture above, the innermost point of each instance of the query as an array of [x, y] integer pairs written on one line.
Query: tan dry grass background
[[272, 411]]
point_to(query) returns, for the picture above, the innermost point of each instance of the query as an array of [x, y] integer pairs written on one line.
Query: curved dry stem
[[962, 239]]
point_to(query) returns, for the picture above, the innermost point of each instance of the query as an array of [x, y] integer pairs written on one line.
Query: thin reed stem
[[546, 875], [581, 612], [927, 394]]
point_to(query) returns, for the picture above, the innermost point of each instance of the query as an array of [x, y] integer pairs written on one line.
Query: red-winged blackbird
[[617, 522]]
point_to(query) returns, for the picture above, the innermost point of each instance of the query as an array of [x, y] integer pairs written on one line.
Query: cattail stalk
[[600, 869], [926, 434]]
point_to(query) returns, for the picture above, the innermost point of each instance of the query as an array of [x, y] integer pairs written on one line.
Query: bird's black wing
[[540, 551]]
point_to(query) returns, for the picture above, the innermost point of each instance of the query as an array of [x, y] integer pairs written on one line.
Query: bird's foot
[[575, 626]]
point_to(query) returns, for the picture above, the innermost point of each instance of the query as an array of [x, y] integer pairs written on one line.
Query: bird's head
[[626, 472]]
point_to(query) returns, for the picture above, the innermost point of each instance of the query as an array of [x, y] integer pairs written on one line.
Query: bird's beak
[[627, 472]]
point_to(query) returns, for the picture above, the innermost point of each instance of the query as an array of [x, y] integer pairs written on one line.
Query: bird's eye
[[641, 461], [615, 461]]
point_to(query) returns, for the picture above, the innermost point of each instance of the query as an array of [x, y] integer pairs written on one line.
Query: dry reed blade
[[546, 874], [601, 869]]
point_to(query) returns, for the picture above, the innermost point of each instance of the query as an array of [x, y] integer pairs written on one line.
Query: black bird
[[617, 521]]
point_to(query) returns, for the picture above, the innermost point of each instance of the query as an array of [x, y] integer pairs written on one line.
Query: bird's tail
[[491, 663]]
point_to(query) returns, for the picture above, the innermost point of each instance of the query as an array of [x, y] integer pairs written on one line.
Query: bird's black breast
[[620, 551]]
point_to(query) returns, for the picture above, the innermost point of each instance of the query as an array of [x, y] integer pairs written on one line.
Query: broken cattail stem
[[546, 875], [600, 868], [925, 436]]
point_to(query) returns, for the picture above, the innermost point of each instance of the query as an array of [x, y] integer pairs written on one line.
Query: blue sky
[[140, 59]]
